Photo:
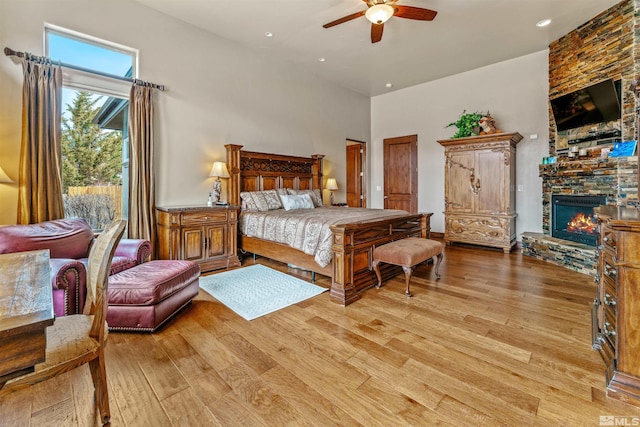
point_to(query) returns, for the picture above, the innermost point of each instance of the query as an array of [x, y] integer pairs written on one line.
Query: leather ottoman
[[143, 297]]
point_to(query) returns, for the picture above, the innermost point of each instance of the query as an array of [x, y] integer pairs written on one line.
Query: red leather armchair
[[69, 241]]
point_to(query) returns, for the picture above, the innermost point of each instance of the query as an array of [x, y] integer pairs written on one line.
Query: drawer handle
[[609, 300], [610, 271], [609, 330], [596, 302], [596, 278], [609, 241]]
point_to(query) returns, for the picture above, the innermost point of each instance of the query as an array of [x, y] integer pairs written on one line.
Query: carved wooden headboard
[[253, 171]]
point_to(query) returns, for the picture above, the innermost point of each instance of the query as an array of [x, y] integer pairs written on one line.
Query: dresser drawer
[[609, 295], [196, 218], [609, 268], [624, 246], [609, 328], [609, 239]]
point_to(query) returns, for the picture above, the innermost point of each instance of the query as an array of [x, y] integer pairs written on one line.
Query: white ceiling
[[466, 34]]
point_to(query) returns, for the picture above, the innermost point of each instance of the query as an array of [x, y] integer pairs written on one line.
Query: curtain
[[40, 179], [142, 223]]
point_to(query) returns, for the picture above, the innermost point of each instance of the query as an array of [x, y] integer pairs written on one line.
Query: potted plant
[[468, 124]]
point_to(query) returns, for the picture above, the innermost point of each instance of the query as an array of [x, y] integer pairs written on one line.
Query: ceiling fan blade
[[376, 32], [344, 19], [410, 12]]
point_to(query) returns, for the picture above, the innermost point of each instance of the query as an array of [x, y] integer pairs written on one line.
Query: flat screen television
[[598, 103]]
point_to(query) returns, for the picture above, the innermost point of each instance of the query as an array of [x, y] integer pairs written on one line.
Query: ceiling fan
[[379, 11]]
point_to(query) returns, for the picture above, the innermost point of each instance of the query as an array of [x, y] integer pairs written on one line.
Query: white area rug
[[257, 290]]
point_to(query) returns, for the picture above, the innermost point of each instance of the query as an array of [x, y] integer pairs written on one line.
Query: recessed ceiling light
[[268, 34], [389, 85], [321, 59], [543, 23]]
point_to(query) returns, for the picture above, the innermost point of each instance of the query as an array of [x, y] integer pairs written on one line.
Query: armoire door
[[491, 194], [460, 171]]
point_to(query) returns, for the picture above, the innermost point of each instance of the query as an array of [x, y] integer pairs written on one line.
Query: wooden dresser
[[616, 308], [206, 235], [479, 190]]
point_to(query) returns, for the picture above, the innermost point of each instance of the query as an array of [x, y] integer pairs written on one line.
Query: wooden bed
[[353, 243]]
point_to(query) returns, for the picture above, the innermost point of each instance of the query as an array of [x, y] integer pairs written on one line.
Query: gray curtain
[[142, 223], [40, 181]]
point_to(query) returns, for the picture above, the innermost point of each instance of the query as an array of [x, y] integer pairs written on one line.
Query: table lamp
[[219, 170], [332, 186]]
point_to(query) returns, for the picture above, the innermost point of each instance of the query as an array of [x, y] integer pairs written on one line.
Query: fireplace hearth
[[572, 217]]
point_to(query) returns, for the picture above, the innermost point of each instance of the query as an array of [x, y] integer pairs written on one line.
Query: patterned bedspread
[[307, 230]]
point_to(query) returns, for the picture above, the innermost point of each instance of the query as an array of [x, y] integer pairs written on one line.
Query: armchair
[[69, 242]]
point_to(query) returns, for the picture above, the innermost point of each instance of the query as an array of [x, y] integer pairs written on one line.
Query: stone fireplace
[[605, 47], [587, 182]]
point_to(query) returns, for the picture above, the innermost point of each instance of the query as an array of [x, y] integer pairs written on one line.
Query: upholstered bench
[[143, 297], [407, 253]]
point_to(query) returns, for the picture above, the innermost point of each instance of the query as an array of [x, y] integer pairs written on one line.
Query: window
[[95, 163]]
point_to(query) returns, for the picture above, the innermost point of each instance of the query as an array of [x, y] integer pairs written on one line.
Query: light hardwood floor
[[499, 340]]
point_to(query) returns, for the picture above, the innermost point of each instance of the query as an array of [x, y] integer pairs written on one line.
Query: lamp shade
[[331, 184], [4, 178], [219, 170], [379, 13]]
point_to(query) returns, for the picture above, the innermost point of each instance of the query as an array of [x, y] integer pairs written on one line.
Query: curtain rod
[[11, 52]]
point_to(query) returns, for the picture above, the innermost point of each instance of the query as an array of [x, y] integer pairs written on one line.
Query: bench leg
[[376, 268], [439, 256], [407, 279]]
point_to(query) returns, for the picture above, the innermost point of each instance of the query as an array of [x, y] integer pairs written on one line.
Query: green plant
[[468, 124]]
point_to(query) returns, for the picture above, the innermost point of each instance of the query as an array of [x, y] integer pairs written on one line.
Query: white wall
[[217, 93], [514, 91]]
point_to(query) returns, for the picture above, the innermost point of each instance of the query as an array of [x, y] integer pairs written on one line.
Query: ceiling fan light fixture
[[379, 13]]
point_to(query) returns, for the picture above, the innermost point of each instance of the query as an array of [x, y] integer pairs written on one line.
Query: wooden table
[[26, 309]]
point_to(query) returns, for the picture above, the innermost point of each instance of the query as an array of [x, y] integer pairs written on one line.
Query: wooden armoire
[[479, 195]]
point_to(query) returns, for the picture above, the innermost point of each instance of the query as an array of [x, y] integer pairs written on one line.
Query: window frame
[[100, 83]]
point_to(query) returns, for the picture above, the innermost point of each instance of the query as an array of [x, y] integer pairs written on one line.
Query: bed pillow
[[260, 200], [315, 195], [301, 201]]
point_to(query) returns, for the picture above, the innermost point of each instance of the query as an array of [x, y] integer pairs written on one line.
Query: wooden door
[[355, 174], [458, 196], [489, 185], [401, 173]]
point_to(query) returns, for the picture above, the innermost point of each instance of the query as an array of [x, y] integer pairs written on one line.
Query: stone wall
[[606, 47], [614, 177], [603, 48]]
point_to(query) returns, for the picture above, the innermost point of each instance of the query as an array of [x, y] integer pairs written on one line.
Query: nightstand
[[206, 235]]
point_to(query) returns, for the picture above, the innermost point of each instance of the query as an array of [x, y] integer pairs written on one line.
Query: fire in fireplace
[[582, 223], [572, 217]]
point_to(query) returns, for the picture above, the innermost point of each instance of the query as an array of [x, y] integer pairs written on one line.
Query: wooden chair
[[80, 338]]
